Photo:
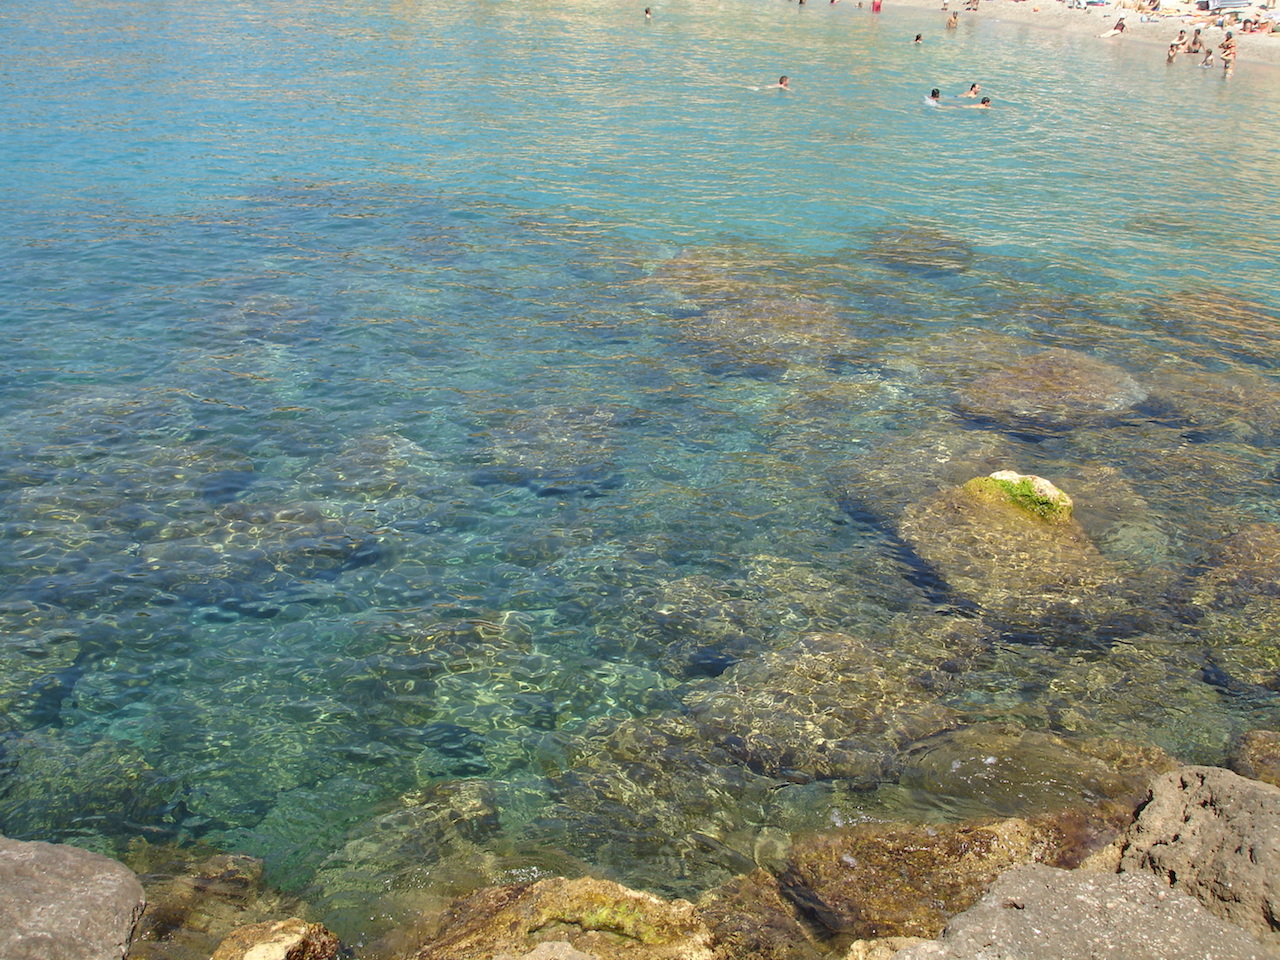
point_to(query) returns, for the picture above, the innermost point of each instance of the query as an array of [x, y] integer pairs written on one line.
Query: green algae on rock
[[1045, 576], [1035, 495], [599, 917]]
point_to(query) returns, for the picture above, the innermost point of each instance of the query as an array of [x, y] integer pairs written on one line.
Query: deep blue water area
[[414, 403]]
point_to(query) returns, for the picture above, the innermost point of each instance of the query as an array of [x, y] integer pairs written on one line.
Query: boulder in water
[[1050, 392], [58, 902]]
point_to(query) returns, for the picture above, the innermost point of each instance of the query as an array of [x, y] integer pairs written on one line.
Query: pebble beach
[[1148, 33]]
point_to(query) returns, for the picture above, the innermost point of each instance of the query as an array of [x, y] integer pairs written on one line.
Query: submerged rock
[[824, 707], [1256, 755], [707, 276], [1240, 568], [751, 919], [766, 337], [556, 449], [655, 803], [1209, 405], [1012, 564], [920, 249], [1012, 771], [1234, 603], [598, 917], [374, 468], [194, 902], [1052, 391], [903, 470], [411, 857]]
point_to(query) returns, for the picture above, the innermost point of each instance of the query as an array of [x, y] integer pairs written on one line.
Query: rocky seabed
[[1194, 873]]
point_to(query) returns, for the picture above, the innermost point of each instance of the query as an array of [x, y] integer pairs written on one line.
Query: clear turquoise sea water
[[370, 369]]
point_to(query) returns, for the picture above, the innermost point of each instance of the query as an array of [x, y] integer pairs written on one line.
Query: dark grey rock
[[59, 902], [1043, 913], [1215, 836]]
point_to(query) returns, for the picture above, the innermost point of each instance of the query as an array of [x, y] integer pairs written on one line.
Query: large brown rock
[[1256, 755], [1040, 913], [1216, 836], [58, 902], [598, 917], [750, 919], [886, 880]]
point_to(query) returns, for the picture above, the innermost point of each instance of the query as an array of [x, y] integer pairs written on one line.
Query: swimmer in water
[[919, 38], [983, 104], [934, 98], [973, 90], [648, 14], [784, 83]]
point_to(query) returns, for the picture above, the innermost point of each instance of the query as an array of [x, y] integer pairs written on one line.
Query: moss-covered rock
[[1031, 494], [599, 917], [1011, 562]]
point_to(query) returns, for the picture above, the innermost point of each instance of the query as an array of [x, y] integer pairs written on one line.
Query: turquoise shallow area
[[403, 394]]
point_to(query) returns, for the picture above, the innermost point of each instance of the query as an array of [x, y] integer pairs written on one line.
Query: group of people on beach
[[1195, 44]]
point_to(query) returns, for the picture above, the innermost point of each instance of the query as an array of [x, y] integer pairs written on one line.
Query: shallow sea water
[[407, 400]]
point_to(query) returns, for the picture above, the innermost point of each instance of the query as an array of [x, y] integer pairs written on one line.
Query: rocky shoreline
[[1194, 873]]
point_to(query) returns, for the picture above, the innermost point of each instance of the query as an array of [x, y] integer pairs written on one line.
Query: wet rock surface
[[1256, 755], [58, 902], [291, 939], [883, 880]]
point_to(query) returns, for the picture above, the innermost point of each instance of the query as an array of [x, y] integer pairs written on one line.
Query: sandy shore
[[1152, 35]]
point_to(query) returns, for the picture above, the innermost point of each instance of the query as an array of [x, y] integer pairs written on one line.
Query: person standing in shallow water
[[1227, 51]]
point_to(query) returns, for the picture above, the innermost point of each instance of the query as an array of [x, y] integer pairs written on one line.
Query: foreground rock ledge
[[59, 902], [1043, 913], [1215, 836]]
